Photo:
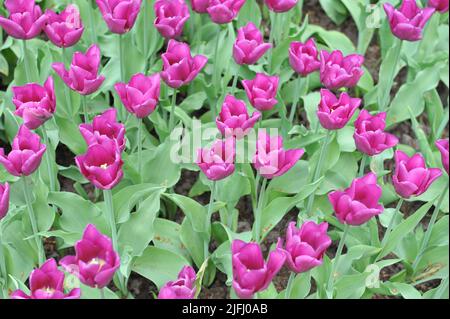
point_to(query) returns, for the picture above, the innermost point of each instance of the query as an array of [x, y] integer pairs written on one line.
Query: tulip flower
[[141, 95], [271, 160], [369, 135], [64, 29], [217, 162], [442, 145], [251, 274], [182, 288], [35, 104], [262, 91], [95, 261], [407, 22], [200, 6], [82, 76], [179, 67], [4, 200], [25, 20], [337, 71], [303, 57], [234, 120], [359, 203], [411, 176], [47, 282], [102, 164], [104, 127], [249, 46], [224, 11], [439, 5], [334, 113], [171, 15], [119, 15], [280, 5], [305, 246], [26, 153]]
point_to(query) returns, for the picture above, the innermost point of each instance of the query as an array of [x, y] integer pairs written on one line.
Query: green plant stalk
[[33, 221], [385, 96], [258, 215], [235, 79], [391, 222], [335, 264], [122, 67], [85, 110], [145, 34], [139, 150], [272, 38], [172, 111], [299, 88], [208, 221], [216, 76], [3, 272], [288, 292], [26, 62], [362, 165], [91, 22], [427, 236], [48, 160], [102, 293], [66, 88]]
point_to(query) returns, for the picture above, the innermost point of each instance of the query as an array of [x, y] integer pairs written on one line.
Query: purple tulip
[[370, 137], [337, 71], [35, 104], [303, 57], [25, 20], [305, 246], [249, 46], [408, 22], [262, 91], [82, 76], [251, 273], [47, 282], [64, 29], [280, 5], [95, 262], [334, 113], [4, 199], [411, 176], [442, 145], [26, 153], [200, 6], [439, 5], [104, 127], [271, 160], [217, 162], [224, 11], [182, 288], [141, 95], [119, 15], [179, 67], [234, 120], [171, 15], [102, 164], [359, 203]]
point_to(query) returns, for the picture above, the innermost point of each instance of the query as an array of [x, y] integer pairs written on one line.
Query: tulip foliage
[[180, 139]]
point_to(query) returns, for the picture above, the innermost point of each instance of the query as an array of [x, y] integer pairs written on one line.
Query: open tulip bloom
[[439, 5], [442, 145], [171, 15], [119, 15], [182, 288], [224, 11], [4, 199], [280, 5], [64, 29], [339, 71], [249, 46]]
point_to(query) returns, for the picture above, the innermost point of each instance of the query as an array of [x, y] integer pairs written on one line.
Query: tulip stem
[[216, 76], [273, 27], [139, 142], [384, 97], [391, 222], [48, 160], [145, 34], [32, 216], [427, 236], [3, 271], [301, 85], [288, 292], [257, 224], [85, 109], [102, 293], [66, 88], [122, 69], [362, 165], [235, 79], [208, 216], [335, 264], [26, 62], [172, 111], [91, 22]]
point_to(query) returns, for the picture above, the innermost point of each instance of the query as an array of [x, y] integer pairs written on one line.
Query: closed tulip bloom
[[179, 67], [200, 6], [271, 159], [251, 273], [411, 176], [25, 20], [95, 261], [119, 15], [262, 91], [102, 164], [359, 203], [334, 113], [4, 200], [224, 11], [35, 104], [234, 120], [171, 15], [217, 162], [182, 288], [64, 29], [104, 127], [370, 137], [82, 76], [442, 145], [337, 71], [249, 46], [304, 57], [439, 5], [47, 282], [305, 246], [280, 5], [141, 95], [26, 153]]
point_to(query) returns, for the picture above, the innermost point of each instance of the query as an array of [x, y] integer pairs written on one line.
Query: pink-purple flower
[[262, 91], [442, 145], [439, 5], [4, 199], [249, 46], [200, 6], [171, 15], [64, 29], [339, 71], [280, 5], [304, 57], [217, 162], [182, 288], [334, 113], [119, 15], [224, 11]]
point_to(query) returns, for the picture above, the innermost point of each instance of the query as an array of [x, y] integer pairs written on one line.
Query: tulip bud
[[182, 288], [64, 29], [171, 15], [262, 91], [200, 6], [442, 145], [217, 162], [304, 57], [4, 200], [249, 46], [334, 113], [224, 11], [280, 6], [439, 5], [119, 15], [337, 71]]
